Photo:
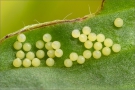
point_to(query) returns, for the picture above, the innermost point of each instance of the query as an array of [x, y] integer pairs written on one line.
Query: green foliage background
[[114, 72], [15, 14]]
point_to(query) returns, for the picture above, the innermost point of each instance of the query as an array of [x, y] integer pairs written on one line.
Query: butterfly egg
[[86, 30], [27, 47], [47, 37], [81, 59], [96, 54], [20, 54], [98, 45], [40, 54], [35, 62], [92, 37], [17, 45], [17, 62], [51, 53], [39, 44], [108, 42], [106, 51], [88, 44], [50, 62], [58, 53], [21, 38], [56, 45], [75, 33], [83, 38], [100, 37], [118, 22], [30, 55], [68, 63], [73, 56], [116, 47], [87, 54], [48, 46], [26, 62]]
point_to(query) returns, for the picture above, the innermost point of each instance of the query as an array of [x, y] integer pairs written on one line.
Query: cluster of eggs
[[31, 58], [87, 37], [90, 40]]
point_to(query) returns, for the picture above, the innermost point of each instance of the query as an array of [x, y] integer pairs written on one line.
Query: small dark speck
[[6, 36]]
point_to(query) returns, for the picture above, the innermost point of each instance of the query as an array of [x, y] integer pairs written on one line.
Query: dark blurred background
[[15, 14]]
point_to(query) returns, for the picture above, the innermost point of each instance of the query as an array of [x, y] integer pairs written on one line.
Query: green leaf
[[113, 72]]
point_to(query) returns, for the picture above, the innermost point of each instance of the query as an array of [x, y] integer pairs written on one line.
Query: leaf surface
[[116, 71]]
